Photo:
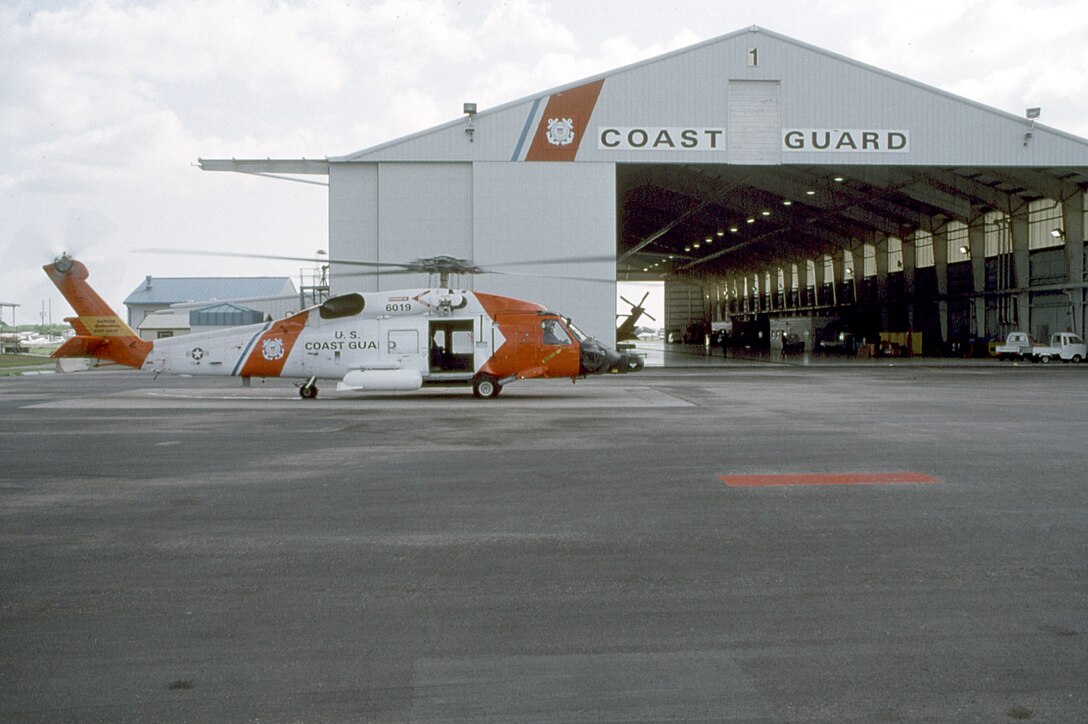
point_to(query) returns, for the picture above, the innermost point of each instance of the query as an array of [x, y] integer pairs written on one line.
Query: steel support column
[[976, 242], [940, 267], [1073, 223]]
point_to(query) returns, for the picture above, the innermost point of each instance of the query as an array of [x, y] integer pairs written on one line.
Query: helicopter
[[388, 341], [628, 329]]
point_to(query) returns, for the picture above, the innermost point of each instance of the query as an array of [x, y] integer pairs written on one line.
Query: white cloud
[[522, 23], [1009, 54], [190, 42]]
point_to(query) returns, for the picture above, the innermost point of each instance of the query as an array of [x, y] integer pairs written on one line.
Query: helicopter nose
[[598, 359]]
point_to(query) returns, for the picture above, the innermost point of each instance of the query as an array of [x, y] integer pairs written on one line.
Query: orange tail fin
[[100, 332]]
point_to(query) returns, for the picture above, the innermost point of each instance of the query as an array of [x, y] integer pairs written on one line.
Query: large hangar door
[[685, 312], [755, 128], [424, 209], [530, 211]]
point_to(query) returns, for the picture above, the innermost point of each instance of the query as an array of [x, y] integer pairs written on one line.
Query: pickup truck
[[1017, 345], [1065, 346]]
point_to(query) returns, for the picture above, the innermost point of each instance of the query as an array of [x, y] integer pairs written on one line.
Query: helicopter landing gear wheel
[[308, 391], [486, 386]]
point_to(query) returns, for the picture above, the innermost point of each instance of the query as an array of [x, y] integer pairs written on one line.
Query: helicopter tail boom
[[100, 333]]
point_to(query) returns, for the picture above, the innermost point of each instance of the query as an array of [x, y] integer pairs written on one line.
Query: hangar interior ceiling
[[715, 220]]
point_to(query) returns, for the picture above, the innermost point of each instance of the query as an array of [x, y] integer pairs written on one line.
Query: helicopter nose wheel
[[486, 386], [308, 391]]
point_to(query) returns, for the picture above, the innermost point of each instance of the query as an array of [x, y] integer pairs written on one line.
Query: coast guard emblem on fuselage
[[560, 131], [272, 349]]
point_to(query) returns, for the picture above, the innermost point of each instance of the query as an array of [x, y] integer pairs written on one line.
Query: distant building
[[219, 302], [163, 323]]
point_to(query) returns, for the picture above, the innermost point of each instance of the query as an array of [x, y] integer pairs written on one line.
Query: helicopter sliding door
[[451, 346]]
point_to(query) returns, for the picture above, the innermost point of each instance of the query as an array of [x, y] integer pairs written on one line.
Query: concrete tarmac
[[192, 550]]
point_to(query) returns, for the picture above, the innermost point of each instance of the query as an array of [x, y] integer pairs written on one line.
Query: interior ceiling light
[[733, 229], [787, 202], [765, 213], [696, 245], [751, 220], [721, 232], [838, 179], [687, 248], [810, 192]]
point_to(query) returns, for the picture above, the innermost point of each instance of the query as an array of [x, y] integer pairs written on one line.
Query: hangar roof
[[171, 290], [700, 88]]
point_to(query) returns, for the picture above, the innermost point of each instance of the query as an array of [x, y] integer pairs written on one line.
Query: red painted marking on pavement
[[760, 481]]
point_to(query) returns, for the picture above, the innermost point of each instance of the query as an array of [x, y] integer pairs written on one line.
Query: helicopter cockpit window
[[344, 305], [578, 334], [554, 332]]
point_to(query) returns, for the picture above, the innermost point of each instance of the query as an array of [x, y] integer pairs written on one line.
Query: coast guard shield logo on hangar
[[560, 131]]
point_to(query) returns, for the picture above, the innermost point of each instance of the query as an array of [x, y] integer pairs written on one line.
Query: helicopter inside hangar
[[760, 177]]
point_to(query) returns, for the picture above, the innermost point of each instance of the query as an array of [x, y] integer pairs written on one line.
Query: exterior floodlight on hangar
[[761, 177]]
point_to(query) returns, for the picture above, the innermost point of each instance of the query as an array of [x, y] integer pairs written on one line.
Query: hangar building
[[763, 178]]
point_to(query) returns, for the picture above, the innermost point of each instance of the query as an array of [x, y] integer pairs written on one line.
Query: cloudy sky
[[105, 105]]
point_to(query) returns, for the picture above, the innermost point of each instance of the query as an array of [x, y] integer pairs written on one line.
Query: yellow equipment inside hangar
[[763, 178]]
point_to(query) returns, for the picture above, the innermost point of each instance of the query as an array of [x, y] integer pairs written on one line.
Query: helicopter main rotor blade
[[375, 273], [553, 260], [233, 300], [433, 265], [273, 257], [597, 280]]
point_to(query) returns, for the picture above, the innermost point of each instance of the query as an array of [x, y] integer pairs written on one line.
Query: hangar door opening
[[896, 260]]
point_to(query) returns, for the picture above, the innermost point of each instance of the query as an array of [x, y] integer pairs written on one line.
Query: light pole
[[13, 330]]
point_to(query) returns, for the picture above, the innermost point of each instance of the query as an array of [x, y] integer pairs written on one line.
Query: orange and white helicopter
[[373, 341]]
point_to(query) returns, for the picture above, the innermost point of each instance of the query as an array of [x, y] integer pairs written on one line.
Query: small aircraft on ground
[[373, 341]]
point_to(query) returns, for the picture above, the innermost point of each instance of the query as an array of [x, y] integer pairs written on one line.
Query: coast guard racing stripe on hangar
[[564, 123]]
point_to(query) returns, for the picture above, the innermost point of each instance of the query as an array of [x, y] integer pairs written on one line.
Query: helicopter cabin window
[[451, 347], [554, 332]]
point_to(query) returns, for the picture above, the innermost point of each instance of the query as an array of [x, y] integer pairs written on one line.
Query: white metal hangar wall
[[755, 167], [493, 213]]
